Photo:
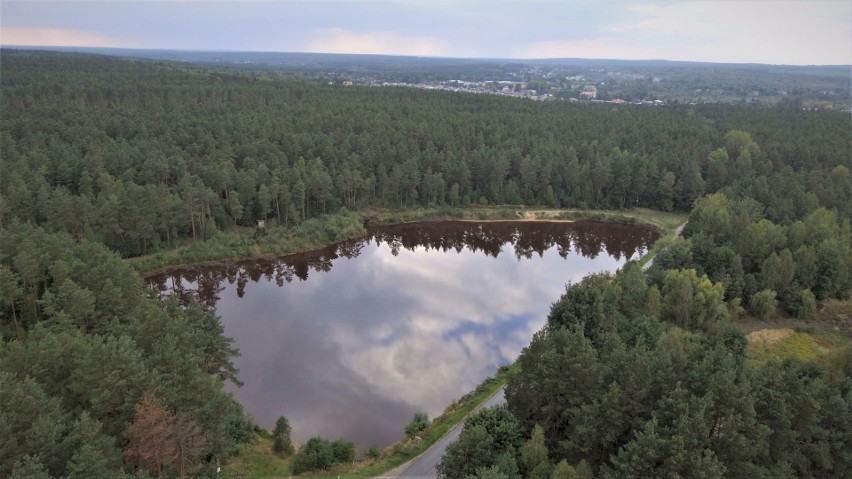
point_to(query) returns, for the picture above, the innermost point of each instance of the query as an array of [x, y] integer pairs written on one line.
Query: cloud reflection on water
[[354, 351]]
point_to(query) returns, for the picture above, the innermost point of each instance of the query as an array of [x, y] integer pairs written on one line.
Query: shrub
[[763, 304], [373, 452], [319, 453], [316, 454], [343, 451], [806, 307], [418, 424]]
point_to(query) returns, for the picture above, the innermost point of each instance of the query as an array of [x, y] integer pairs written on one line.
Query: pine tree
[[151, 443]]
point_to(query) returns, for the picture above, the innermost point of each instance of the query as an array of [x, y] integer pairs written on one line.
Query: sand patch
[[541, 214], [769, 336]]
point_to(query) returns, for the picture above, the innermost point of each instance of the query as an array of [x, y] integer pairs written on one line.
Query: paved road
[[423, 466]]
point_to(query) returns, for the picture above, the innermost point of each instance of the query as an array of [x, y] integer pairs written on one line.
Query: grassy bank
[[664, 221], [257, 460], [317, 232], [236, 245], [455, 413], [387, 217]]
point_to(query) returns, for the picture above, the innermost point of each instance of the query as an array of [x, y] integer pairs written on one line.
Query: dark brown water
[[351, 340]]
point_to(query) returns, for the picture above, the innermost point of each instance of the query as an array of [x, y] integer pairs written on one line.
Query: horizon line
[[540, 59]]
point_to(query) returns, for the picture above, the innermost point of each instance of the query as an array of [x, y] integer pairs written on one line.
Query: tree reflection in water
[[587, 238], [417, 320]]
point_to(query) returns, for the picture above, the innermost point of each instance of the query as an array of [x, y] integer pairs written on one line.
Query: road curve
[[423, 466]]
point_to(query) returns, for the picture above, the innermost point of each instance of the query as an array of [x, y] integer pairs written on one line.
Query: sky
[[730, 31]]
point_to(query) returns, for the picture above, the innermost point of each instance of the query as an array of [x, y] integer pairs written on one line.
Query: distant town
[[517, 89], [613, 82]]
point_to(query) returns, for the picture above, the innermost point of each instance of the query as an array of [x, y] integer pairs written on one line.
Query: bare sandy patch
[[769, 336], [541, 214]]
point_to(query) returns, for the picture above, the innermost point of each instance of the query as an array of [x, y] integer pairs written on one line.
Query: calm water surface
[[351, 340]]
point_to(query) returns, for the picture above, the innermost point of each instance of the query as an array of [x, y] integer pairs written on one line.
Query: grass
[[825, 339], [836, 310], [407, 449], [241, 243], [663, 221], [666, 222], [388, 216], [799, 345], [257, 460], [804, 344]]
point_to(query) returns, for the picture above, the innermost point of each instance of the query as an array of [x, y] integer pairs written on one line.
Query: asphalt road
[[423, 466]]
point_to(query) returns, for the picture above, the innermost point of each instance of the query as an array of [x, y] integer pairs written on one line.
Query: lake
[[350, 340]]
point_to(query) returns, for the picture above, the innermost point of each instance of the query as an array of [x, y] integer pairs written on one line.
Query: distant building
[[347, 82], [589, 93]]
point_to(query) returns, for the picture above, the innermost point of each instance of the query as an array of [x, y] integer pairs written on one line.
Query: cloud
[[53, 37], [743, 31], [793, 32], [354, 351], [340, 40]]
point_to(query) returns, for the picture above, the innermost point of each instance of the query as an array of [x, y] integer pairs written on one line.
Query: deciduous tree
[[282, 444]]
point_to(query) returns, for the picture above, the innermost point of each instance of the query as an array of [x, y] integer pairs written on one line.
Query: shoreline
[[232, 261], [634, 217]]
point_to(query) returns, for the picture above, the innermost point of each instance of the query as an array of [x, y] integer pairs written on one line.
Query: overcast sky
[[764, 31]]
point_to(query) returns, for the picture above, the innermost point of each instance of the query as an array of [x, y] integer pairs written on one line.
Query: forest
[[636, 374], [157, 153]]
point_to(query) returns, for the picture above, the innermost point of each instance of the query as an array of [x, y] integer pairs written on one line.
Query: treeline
[[142, 156], [98, 379]]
